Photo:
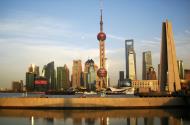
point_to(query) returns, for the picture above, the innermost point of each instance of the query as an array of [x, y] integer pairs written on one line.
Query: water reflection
[[96, 117], [32, 120]]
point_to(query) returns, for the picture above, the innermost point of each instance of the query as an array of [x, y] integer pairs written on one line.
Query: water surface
[[95, 117]]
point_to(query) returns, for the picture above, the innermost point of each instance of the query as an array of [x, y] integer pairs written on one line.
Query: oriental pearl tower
[[102, 72]]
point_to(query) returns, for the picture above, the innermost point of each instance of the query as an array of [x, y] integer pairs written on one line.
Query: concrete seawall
[[91, 102]]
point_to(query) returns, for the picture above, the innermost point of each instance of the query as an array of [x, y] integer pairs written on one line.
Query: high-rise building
[[102, 72], [33, 72], [40, 84], [151, 74], [146, 64], [180, 68], [158, 72], [49, 73], [90, 75], [34, 69], [187, 74], [122, 82], [121, 78], [17, 86], [63, 82], [169, 79], [130, 60], [121, 75], [30, 78], [76, 74]]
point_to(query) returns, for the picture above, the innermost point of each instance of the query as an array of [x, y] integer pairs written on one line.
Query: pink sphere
[[102, 72], [101, 36]]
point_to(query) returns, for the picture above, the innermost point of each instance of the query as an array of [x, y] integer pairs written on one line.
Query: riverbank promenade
[[93, 103]]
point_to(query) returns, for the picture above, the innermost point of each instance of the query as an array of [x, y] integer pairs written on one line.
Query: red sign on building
[[40, 82]]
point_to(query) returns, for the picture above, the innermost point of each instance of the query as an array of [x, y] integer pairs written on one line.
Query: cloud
[[43, 30], [148, 42], [187, 31], [40, 28], [116, 37], [157, 38]]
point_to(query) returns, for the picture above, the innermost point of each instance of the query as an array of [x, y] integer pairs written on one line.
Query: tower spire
[[101, 22]]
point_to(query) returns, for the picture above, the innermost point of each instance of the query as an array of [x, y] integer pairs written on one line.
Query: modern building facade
[[158, 72], [33, 72], [90, 75], [34, 69], [169, 74], [63, 82], [17, 86], [151, 74], [130, 60], [40, 84], [49, 73], [180, 68], [102, 72], [77, 74], [121, 75], [121, 78], [187, 74], [146, 64], [30, 78]]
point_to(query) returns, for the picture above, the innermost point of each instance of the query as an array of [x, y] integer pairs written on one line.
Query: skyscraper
[[30, 78], [187, 74], [102, 72], [180, 68], [50, 75], [34, 69], [17, 86], [90, 73], [169, 74], [158, 72], [121, 78], [151, 74], [76, 73], [130, 60], [146, 64], [121, 75], [63, 78], [33, 72]]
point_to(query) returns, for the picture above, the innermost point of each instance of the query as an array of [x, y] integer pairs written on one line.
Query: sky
[[41, 31]]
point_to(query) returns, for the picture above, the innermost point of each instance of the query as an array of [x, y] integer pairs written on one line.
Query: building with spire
[[169, 74], [102, 72]]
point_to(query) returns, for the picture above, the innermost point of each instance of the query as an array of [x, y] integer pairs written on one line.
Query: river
[[166, 116], [95, 117]]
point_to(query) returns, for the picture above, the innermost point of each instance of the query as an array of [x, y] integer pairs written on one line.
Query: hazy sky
[[40, 31]]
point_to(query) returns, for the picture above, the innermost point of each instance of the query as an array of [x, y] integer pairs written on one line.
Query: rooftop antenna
[[101, 21]]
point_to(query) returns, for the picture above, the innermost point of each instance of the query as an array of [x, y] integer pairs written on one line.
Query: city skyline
[[40, 32]]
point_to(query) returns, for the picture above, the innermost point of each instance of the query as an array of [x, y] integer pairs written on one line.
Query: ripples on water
[[95, 117]]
